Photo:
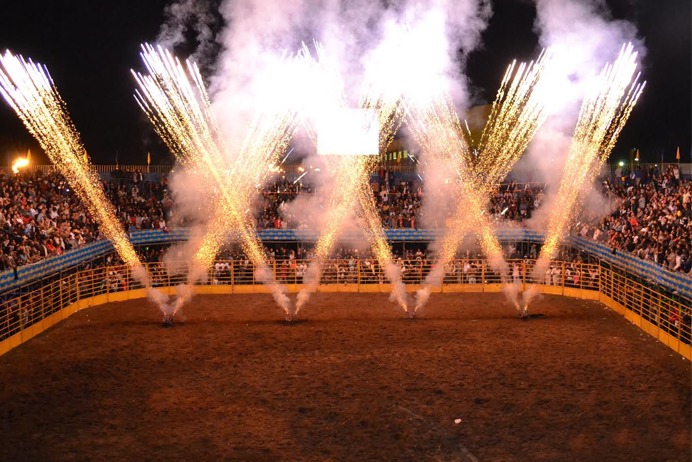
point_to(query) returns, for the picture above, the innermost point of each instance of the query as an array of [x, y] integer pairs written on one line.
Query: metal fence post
[[358, 273], [78, 290], [43, 313], [20, 314], [232, 267]]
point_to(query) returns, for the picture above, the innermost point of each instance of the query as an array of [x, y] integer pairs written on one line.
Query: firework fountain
[[604, 112], [174, 98], [351, 183], [31, 92], [390, 114], [516, 114]]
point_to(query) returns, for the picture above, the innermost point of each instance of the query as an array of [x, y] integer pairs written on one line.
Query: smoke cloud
[[389, 48], [397, 47], [191, 19], [584, 37]]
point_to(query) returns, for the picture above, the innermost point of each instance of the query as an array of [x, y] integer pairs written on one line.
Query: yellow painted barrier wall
[[665, 317]]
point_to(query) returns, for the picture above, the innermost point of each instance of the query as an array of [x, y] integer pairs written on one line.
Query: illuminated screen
[[348, 132]]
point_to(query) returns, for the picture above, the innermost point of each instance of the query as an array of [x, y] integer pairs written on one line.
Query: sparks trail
[[374, 232], [604, 112], [351, 184], [436, 128], [517, 112], [30, 91], [175, 99], [390, 117], [352, 191], [350, 172]]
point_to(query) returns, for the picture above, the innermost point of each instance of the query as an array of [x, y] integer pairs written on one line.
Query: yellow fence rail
[[30, 310]]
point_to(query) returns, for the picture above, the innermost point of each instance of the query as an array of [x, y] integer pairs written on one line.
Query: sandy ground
[[352, 381]]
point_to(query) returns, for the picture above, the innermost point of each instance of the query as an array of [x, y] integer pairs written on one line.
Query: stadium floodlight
[[348, 132]]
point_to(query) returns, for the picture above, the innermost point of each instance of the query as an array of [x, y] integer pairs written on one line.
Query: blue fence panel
[[678, 282], [53, 265]]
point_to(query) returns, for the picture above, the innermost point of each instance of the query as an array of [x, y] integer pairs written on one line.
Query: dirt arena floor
[[352, 381]]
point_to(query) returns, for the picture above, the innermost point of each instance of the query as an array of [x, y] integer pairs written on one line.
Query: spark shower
[[174, 98]]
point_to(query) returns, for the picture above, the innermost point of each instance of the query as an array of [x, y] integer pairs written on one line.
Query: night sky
[[90, 46]]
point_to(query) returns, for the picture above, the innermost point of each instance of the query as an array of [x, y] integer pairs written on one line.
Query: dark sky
[[89, 47]]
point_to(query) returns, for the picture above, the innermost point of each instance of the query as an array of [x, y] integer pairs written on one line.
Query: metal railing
[[663, 313]]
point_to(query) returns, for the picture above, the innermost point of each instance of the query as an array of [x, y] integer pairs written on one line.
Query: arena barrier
[[675, 282], [55, 265], [33, 308]]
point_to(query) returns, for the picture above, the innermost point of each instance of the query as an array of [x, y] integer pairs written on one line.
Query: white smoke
[[583, 37], [409, 46], [436, 37], [194, 202], [185, 18], [423, 47], [406, 43], [139, 273]]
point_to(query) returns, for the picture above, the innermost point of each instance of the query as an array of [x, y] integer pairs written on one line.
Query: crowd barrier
[[25, 274], [33, 308], [675, 282]]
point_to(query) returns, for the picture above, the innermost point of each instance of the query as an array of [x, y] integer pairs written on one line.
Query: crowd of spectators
[[516, 202], [272, 197], [40, 216], [399, 202], [652, 218]]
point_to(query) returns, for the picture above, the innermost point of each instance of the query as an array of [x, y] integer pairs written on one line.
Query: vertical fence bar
[[78, 288], [60, 295], [358, 275], [641, 301], [232, 266], [43, 314], [20, 314]]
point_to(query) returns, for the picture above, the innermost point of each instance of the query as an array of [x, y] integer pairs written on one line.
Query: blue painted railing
[[678, 282], [53, 265]]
